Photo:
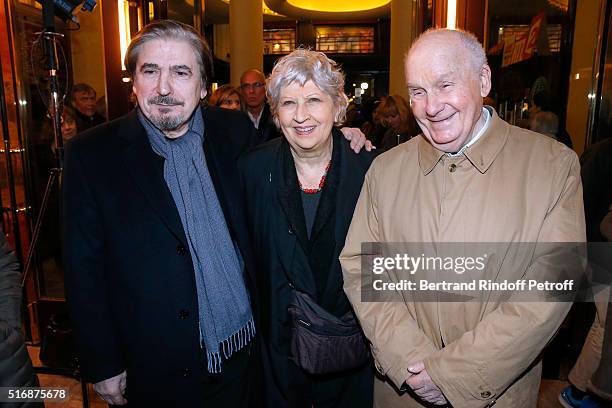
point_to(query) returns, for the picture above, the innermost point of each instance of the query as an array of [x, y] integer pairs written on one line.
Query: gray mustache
[[165, 100]]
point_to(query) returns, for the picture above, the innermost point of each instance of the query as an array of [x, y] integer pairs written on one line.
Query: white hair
[[476, 54], [304, 65]]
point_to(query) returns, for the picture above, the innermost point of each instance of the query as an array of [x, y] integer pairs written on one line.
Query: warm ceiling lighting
[[338, 5], [264, 8], [451, 14], [560, 4], [124, 28]]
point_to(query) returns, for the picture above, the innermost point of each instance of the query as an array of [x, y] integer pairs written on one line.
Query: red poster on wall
[[532, 36], [522, 48]]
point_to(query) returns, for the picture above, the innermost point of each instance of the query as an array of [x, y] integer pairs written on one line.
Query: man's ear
[[203, 92], [485, 80]]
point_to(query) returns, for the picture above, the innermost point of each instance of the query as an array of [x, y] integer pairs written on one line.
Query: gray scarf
[[226, 320]]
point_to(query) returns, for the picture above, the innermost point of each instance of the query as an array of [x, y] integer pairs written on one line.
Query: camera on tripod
[[67, 9]]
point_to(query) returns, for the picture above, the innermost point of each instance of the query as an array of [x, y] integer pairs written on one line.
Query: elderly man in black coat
[[158, 269]]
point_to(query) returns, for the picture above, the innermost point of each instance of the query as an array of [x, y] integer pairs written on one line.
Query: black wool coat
[[129, 275], [267, 130], [280, 244]]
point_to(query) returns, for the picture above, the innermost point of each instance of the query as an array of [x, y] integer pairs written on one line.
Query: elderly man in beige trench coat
[[470, 177]]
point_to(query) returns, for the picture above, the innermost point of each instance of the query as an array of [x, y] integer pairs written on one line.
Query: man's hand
[[112, 389], [357, 139], [420, 382]]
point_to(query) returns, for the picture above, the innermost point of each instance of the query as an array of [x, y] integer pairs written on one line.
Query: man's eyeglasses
[[254, 85]]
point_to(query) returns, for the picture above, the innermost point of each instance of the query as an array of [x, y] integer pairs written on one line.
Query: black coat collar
[[290, 197], [337, 203], [146, 168]]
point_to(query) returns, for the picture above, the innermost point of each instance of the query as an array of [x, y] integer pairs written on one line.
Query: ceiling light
[[338, 6]]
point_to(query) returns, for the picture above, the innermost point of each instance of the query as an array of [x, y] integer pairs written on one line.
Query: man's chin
[[167, 123]]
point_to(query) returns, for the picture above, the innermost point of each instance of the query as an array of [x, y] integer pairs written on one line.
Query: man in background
[[253, 88], [83, 98]]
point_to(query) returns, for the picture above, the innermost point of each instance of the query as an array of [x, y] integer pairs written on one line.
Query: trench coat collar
[[482, 154]]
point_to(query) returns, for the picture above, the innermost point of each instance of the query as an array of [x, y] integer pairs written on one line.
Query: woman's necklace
[[321, 183]]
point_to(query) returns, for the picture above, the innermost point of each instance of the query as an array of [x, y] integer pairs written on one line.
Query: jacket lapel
[[349, 187], [221, 164], [146, 168], [289, 196], [327, 203], [293, 256], [350, 181]]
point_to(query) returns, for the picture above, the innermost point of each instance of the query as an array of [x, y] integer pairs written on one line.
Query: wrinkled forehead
[[302, 85], [436, 60], [168, 51]]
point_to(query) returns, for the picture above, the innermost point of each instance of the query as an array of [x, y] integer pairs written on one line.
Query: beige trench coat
[[512, 185]]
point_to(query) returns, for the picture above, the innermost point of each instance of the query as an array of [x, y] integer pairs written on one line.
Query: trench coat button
[[452, 167], [181, 250], [183, 314], [485, 394], [187, 372]]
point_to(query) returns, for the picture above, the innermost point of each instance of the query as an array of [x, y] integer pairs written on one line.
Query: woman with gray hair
[[301, 191]]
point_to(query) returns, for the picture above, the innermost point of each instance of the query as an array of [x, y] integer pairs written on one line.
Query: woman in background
[[227, 97], [394, 113]]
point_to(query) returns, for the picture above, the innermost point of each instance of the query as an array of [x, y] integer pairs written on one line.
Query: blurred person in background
[[395, 114], [227, 97], [253, 88], [546, 123], [69, 125], [83, 98]]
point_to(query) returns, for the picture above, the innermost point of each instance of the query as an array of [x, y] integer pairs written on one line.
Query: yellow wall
[[402, 34], [583, 54], [246, 37], [88, 51]]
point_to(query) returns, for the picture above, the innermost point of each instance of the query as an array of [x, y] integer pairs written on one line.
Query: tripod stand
[[50, 37], [54, 180]]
